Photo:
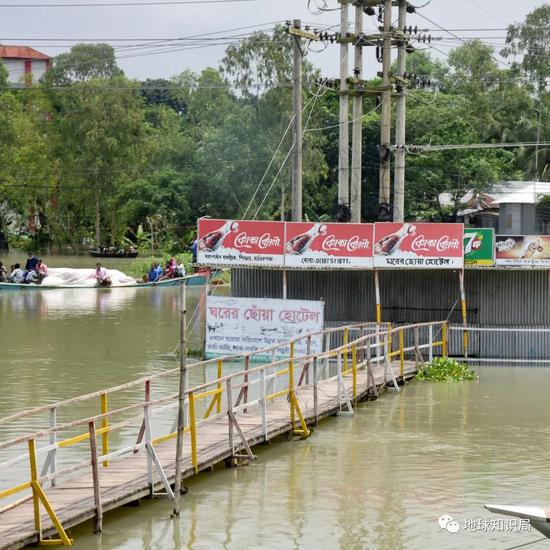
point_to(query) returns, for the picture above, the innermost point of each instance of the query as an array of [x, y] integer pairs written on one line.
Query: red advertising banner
[[240, 242], [328, 245], [419, 245]]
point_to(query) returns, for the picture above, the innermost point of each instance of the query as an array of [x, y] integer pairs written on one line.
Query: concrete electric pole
[[357, 121], [385, 131], [400, 119], [343, 144], [296, 195]]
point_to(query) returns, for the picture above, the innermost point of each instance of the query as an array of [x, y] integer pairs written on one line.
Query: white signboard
[[241, 325]]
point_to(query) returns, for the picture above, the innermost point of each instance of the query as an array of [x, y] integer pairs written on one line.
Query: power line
[[447, 147], [122, 4]]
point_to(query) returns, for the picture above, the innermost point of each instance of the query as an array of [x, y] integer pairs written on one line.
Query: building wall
[[16, 69], [517, 219]]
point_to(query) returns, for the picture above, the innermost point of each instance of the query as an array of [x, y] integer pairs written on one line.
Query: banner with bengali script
[[479, 247], [522, 250], [241, 325], [240, 243], [419, 245], [328, 245]]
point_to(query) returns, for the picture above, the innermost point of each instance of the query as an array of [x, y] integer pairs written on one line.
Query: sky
[[33, 25]]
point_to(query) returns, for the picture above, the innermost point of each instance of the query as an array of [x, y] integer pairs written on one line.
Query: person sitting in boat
[[169, 271], [154, 273], [101, 275], [17, 275], [32, 260], [3, 273], [180, 269], [42, 270]]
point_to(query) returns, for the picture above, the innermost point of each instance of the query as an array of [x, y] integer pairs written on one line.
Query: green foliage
[[84, 62], [444, 369], [98, 158], [3, 74]]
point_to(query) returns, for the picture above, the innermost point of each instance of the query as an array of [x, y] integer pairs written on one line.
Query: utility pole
[[298, 137], [343, 146], [357, 121], [183, 385], [400, 120], [385, 133]]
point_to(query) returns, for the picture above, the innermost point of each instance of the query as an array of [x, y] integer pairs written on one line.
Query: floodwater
[[380, 479]]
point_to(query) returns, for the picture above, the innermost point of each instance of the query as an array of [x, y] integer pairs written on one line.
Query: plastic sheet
[[83, 278]]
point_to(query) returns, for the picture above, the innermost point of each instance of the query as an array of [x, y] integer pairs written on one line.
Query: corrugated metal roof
[[21, 52]]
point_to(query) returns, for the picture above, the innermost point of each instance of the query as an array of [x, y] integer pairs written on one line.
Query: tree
[[3, 75], [101, 143], [530, 42], [84, 62]]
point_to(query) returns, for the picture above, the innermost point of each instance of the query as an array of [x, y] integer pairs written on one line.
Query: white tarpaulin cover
[[64, 276]]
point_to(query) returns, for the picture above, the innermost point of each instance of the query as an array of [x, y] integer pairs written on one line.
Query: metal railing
[[345, 351]]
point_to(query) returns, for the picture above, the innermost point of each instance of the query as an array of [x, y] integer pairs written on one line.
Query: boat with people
[[37, 276], [113, 253]]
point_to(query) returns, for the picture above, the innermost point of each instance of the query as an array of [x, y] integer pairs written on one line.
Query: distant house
[[510, 207], [25, 65]]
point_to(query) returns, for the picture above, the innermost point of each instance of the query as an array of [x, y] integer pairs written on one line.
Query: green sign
[[479, 246]]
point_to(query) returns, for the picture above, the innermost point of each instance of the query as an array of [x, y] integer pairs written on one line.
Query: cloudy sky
[[37, 26]]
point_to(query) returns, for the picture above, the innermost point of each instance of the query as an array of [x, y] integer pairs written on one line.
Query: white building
[[25, 65]]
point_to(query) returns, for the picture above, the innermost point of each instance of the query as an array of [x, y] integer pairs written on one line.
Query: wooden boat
[[191, 280], [538, 517], [107, 254]]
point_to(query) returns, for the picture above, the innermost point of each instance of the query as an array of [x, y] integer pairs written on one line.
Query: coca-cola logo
[[243, 240], [353, 244], [443, 244]]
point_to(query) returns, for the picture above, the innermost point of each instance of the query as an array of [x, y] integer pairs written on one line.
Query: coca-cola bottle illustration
[[213, 240], [302, 242], [389, 244]]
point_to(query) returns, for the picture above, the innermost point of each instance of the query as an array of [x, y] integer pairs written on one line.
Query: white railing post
[[431, 341], [263, 403], [53, 441], [229, 393], [339, 377], [147, 423], [315, 393]]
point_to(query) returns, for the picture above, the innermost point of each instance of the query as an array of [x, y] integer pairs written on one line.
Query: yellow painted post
[[345, 354], [34, 477], [38, 496], [193, 428], [105, 425], [401, 352], [219, 396], [444, 339], [291, 381], [377, 297], [354, 369]]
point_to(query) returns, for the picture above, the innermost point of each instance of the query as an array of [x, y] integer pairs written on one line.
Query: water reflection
[[377, 480]]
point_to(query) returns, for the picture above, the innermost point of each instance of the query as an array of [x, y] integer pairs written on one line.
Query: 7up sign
[[479, 247]]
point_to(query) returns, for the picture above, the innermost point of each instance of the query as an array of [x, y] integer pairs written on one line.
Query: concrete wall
[[517, 219]]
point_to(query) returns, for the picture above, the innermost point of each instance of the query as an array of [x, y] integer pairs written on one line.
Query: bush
[[444, 369]]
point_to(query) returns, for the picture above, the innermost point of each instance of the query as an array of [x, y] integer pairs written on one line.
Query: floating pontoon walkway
[[357, 362]]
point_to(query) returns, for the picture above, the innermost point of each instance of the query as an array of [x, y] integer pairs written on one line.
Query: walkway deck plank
[[125, 480]]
